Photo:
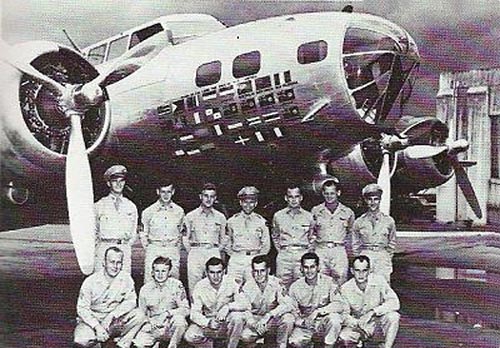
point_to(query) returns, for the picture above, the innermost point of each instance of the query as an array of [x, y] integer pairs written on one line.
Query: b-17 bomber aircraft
[[300, 96]]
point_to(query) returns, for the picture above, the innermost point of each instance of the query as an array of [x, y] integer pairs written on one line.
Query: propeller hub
[[391, 142], [458, 146]]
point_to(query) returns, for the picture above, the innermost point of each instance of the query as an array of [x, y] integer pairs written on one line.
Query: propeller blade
[[122, 64], [466, 187], [424, 151], [8, 57], [80, 197], [384, 180]]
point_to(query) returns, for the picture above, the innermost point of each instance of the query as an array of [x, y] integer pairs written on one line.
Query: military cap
[[372, 190], [248, 192], [329, 179], [114, 171]]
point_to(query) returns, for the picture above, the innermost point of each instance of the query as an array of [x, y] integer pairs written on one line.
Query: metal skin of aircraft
[[297, 97]]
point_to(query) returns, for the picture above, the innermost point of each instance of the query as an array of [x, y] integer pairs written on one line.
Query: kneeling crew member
[[217, 310], [374, 233], [318, 306], [371, 303], [270, 315], [106, 305], [164, 303]]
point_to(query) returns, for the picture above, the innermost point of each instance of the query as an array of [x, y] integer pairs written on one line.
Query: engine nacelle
[[362, 165], [35, 132], [413, 175]]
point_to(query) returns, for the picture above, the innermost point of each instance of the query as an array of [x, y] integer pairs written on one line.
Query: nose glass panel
[[376, 68]]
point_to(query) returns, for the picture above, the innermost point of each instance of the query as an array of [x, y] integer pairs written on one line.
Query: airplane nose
[[377, 65]]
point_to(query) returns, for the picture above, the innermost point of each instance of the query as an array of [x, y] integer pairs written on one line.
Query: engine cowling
[[35, 132], [362, 165]]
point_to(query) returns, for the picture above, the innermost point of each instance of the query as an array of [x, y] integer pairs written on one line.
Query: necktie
[[118, 201]]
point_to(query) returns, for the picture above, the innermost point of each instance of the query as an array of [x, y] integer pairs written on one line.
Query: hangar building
[[469, 103]]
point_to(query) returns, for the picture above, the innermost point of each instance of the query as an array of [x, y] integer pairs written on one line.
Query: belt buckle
[[330, 244]]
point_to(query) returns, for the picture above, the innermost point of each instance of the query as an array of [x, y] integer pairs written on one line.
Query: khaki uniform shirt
[[162, 223], [272, 299], [116, 224], [332, 227], [100, 296], [248, 233], [378, 296], [307, 298], [205, 226], [374, 230], [207, 300], [292, 228], [155, 300]]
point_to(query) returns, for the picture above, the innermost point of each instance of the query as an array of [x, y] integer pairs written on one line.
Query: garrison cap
[[115, 171], [250, 192], [372, 190]]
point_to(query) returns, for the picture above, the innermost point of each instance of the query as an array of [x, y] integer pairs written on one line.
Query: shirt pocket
[[212, 226], [158, 221]]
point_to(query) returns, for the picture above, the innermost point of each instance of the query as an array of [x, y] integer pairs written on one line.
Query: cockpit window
[[208, 73], [97, 54], [312, 52], [376, 68], [144, 34], [117, 47], [246, 64]]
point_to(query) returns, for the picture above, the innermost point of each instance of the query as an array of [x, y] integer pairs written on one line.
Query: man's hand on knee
[[101, 333]]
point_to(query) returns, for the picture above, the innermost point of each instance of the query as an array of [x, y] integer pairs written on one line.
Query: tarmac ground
[[448, 282]]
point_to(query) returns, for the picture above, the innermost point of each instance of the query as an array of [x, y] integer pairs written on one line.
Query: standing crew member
[[116, 219], [374, 233], [164, 303], [371, 302], [247, 235], [270, 315], [291, 234], [217, 310], [332, 222], [204, 233], [318, 306], [106, 305], [162, 226]]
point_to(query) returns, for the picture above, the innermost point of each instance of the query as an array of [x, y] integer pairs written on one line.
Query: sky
[[451, 34]]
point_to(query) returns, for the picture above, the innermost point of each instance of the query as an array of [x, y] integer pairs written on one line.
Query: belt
[[294, 246], [163, 242], [331, 244], [204, 245], [373, 247], [248, 252], [114, 240]]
